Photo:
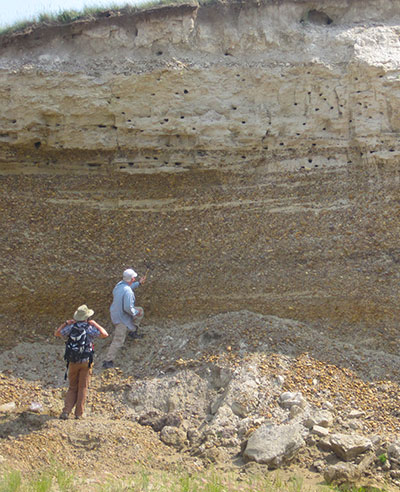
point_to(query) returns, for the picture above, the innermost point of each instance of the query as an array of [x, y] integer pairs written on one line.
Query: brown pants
[[79, 375]]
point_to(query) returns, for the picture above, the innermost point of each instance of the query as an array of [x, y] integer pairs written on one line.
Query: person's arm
[[103, 332], [57, 333]]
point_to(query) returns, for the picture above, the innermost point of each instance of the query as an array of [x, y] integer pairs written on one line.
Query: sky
[[12, 11]]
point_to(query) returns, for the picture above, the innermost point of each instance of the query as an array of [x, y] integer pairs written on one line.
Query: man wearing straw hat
[[80, 366], [124, 315]]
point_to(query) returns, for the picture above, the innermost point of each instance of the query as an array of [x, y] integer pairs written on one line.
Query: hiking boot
[[108, 364], [78, 417], [135, 335], [64, 416]]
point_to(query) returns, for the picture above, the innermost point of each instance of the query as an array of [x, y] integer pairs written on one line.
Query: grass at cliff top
[[56, 479], [88, 13]]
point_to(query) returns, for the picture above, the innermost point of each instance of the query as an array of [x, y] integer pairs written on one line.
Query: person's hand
[[142, 280]]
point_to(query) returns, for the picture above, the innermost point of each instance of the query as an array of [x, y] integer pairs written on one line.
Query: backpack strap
[[66, 371]]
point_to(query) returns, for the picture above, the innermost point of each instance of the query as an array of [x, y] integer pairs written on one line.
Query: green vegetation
[[89, 13], [58, 480], [382, 458]]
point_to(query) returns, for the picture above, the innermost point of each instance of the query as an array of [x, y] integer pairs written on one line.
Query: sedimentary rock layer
[[248, 150]]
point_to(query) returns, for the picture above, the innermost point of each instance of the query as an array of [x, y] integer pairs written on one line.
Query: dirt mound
[[190, 395]]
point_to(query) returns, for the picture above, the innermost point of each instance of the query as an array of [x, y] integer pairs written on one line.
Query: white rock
[[320, 431], [348, 447], [274, 445], [8, 407]]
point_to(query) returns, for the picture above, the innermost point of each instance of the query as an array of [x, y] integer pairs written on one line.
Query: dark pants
[[79, 375]]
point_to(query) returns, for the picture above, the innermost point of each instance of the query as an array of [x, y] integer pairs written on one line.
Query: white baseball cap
[[129, 274]]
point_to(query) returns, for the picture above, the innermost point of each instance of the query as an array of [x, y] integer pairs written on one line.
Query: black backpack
[[78, 346]]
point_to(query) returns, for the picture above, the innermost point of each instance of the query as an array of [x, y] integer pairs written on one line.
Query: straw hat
[[83, 313]]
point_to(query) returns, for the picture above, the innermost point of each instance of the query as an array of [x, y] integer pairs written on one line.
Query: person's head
[[83, 313], [129, 276]]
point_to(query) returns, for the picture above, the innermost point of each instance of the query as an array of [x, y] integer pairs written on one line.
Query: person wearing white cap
[[124, 314]]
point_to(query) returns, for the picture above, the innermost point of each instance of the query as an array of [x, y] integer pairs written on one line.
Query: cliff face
[[248, 151]]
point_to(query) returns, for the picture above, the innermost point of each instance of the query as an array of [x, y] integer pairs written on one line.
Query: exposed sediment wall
[[250, 150]]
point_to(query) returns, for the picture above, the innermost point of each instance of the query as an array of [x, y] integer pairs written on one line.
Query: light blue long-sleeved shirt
[[122, 309]]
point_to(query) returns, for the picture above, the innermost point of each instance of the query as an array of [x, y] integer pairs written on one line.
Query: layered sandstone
[[247, 150]]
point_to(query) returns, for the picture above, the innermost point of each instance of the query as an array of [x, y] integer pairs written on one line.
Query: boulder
[[274, 445], [347, 447], [341, 473], [320, 431], [393, 451], [8, 407], [288, 399], [173, 436], [321, 418]]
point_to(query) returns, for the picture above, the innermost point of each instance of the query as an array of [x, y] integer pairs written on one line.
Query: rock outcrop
[[246, 151]]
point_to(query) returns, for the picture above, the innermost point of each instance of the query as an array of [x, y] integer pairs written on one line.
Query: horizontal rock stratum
[[247, 151]]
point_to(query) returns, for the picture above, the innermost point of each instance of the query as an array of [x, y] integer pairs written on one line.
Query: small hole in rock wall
[[155, 158], [281, 144], [234, 108], [166, 119], [178, 163], [265, 148], [37, 144], [319, 18], [182, 117], [159, 53], [131, 164], [122, 167], [243, 157], [310, 161], [324, 129], [243, 122], [316, 109], [102, 126], [186, 91], [129, 121], [316, 165]]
